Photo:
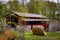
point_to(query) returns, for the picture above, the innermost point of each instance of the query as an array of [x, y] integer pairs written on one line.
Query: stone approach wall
[[53, 27]]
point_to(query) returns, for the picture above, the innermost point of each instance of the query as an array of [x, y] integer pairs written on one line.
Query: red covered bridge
[[27, 18]]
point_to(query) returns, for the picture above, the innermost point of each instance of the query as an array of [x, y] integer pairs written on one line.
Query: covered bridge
[[27, 19]]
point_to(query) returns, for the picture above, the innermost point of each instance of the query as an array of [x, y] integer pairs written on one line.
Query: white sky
[[28, 0], [55, 0], [11, 0]]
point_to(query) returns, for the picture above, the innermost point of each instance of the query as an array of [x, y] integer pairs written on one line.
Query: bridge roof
[[29, 15], [36, 19]]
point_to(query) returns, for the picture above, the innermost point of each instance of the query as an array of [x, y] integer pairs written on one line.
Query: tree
[[51, 8], [2, 13], [34, 6], [3, 10], [16, 6], [58, 9]]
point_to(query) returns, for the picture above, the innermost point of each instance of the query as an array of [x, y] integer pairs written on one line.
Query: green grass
[[30, 36]]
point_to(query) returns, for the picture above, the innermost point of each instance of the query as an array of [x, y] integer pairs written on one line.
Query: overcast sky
[[55, 0], [28, 0]]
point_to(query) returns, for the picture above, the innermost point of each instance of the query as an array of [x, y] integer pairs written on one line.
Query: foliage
[[34, 7], [51, 8], [30, 36], [46, 8], [1, 13], [16, 6]]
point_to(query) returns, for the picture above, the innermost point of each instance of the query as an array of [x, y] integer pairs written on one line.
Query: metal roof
[[29, 15], [36, 19]]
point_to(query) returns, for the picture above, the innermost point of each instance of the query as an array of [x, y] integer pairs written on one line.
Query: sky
[[55, 0], [28, 0], [11, 0]]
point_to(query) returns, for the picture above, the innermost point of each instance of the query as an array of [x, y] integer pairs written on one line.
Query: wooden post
[[31, 26]]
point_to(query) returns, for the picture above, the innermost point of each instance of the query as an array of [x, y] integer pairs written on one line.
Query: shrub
[[38, 31]]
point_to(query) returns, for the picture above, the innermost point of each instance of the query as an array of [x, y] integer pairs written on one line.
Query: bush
[[38, 31]]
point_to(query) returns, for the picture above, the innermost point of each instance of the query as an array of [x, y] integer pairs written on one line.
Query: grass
[[30, 36]]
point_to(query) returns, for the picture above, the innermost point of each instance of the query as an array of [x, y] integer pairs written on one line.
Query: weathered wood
[[7, 35], [3, 36]]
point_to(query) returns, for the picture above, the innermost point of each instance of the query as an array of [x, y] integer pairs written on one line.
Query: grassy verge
[[30, 36]]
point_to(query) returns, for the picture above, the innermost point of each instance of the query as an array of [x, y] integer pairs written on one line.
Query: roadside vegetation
[[30, 36]]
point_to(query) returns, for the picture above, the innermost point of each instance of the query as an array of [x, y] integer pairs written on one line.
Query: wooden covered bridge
[[27, 19]]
